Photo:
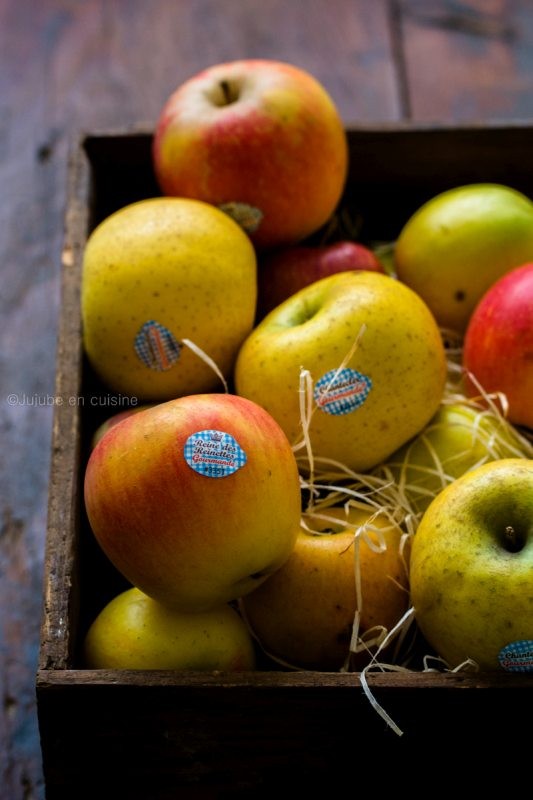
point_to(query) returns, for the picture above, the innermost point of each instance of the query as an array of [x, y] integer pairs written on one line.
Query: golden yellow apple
[[133, 631], [375, 356], [156, 273], [304, 613]]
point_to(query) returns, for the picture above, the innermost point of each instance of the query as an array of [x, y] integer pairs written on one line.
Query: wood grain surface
[[87, 65]]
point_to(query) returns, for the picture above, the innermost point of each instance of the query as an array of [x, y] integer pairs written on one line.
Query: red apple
[[498, 343], [286, 271], [195, 500], [263, 140]]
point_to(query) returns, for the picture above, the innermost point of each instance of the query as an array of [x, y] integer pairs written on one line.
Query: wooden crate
[[157, 735]]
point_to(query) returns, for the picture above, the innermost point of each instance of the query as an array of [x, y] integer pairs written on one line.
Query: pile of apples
[[312, 466]]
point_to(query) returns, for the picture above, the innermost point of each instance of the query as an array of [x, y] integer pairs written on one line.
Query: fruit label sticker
[[341, 391], [156, 346], [247, 216], [517, 656], [214, 454]]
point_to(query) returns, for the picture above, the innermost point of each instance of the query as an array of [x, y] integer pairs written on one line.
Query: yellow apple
[[304, 613], [157, 272], [375, 356], [472, 568], [455, 246], [135, 632], [457, 439], [260, 138]]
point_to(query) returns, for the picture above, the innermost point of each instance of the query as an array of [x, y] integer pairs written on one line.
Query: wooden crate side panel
[[230, 738], [58, 630], [395, 169]]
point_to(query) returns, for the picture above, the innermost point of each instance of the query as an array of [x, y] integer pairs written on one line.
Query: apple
[[113, 420], [455, 246], [304, 613], [498, 344], [261, 139], [135, 632], [375, 357], [156, 274], [461, 436], [285, 271], [471, 570], [195, 500]]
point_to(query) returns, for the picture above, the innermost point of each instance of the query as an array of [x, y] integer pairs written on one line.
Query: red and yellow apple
[[304, 614], [113, 420], [133, 631], [375, 357], [196, 500], [284, 272], [498, 344], [259, 138]]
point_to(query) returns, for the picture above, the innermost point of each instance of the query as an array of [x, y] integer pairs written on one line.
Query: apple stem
[[512, 540], [226, 92]]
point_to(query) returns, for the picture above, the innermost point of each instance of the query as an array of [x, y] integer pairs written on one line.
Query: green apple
[[460, 437], [156, 273], [471, 571], [304, 613], [375, 356], [135, 632], [455, 246]]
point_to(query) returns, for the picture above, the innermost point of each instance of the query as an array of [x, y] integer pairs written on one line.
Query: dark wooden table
[[71, 65]]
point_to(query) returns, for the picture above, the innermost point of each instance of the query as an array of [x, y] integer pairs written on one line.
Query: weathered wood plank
[[469, 60], [222, 738]]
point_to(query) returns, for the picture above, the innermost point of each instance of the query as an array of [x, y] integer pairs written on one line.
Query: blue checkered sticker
[[517, 656], [156, 346], [341, 391], [214, 454]]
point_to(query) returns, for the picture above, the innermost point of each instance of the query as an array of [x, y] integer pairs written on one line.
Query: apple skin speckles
[[382, 315]]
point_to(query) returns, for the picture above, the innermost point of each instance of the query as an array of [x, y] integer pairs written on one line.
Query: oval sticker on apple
[[214, 454], [341, 391], [517, 656], [156, 346]]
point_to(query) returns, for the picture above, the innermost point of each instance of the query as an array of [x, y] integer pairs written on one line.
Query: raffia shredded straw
[[331, 483], [207, 359]]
